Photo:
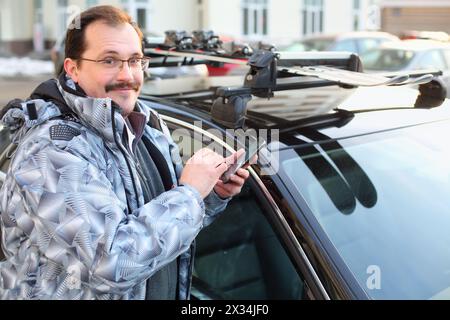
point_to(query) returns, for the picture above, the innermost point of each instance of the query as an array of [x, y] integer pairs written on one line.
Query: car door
[[241, 255]]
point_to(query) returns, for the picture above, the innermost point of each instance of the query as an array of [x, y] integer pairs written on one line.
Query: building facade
[[399, 16], [27, 25]]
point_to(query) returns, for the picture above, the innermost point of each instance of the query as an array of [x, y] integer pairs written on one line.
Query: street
[[19, 87]]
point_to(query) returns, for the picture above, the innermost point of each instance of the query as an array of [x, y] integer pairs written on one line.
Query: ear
[[71, 68]]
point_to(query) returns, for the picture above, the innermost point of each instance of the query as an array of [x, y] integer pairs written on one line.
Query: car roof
[[372, 110], [368, 34], [353, 34], [414, 45]]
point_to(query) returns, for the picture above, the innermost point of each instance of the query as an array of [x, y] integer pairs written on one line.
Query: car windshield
[[317, 44], [387, 59], [382, 199]]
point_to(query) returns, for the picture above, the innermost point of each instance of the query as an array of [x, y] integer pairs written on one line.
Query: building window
[[142, 18], [312, 16], [63, 17], [254, 17], [38, 12], [139, 10], [356, 14]]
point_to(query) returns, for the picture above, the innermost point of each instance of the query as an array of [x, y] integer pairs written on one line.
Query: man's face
[[122, 85]]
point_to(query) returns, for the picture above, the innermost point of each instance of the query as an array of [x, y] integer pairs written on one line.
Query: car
[[357, 42], [430, 35], [349, 200], [408, 55], [357, 197]]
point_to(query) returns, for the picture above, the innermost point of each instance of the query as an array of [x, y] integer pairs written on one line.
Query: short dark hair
[[75, 37]]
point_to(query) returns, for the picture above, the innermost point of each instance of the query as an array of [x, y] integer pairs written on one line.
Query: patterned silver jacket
[[74, 223]]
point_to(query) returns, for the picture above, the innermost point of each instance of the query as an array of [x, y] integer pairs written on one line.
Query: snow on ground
[[11, 67]]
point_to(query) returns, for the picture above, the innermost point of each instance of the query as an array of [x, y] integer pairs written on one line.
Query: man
[[96, 204]]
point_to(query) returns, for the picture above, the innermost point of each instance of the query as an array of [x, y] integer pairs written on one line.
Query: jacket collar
[[101, 114]]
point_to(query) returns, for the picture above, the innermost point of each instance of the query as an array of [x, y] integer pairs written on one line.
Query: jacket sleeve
[[78, 219], [214, 204]]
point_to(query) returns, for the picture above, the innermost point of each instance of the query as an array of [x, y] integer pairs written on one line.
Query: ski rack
[[266, 67], [202, 47], [331, 68]]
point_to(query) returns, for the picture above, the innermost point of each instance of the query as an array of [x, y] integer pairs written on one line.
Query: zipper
[[125, 155], [143, 178]]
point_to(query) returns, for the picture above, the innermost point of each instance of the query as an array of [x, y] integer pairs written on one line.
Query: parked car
[[359, 196], [410, 55], [430, 35], [355, 205], [357, 42]]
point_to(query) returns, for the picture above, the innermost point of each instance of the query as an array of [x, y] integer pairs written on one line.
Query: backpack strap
[[157, 123], [160, 162], [49, 91]]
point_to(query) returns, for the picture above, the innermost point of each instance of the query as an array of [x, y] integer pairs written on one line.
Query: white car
[[357, 42], [410, 55]]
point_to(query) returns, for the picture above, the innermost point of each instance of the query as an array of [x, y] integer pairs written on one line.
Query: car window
[[344, 45], [432, 59], [295, 47], [239, 256], [316, 44], [447, 56], [367, 44], [383, 202], [387, 59]]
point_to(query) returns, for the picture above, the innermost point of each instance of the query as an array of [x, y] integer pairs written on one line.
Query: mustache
[[122, 85]]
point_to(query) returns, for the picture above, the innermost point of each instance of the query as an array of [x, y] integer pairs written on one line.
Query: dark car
[[355, 208], [349, 201]]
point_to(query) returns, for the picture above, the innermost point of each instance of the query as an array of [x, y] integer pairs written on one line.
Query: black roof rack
[[271, 71]]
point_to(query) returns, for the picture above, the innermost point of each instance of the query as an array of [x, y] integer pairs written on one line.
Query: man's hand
[[237, 180], [233, 186], [202, 170]]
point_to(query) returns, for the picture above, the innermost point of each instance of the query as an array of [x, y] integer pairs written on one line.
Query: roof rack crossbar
[[266, 66]]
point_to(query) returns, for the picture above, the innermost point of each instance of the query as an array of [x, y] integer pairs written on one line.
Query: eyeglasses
[[135, 63]]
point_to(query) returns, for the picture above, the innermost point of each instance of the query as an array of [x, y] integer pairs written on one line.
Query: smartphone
[[252, 146]]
